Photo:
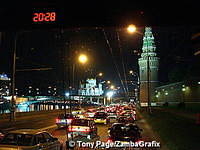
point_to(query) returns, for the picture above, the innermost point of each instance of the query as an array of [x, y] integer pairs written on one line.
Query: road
[[147, 134], [46, 121]]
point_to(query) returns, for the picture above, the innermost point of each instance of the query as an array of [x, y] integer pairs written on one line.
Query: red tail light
[[139, 141], [78, 129], [57, 120], [109, 140]]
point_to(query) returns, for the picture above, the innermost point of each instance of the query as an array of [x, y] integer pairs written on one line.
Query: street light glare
[[131, 28], [100, 74], [110, 94], [82, 58], [112, 87], [131, 71]]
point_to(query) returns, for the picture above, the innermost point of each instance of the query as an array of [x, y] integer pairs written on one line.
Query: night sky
[[43, 46]]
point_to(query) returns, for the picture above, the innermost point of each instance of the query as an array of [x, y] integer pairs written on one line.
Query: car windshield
[[80, 122], [100, 115], [18, 139]]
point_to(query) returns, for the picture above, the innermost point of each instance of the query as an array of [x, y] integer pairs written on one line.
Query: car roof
[[101, 112], [117, 124], [27, 131]]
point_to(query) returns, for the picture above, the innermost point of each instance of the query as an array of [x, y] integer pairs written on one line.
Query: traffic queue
[[79, 124], [120, 119]]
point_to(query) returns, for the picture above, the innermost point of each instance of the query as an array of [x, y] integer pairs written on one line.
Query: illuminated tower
[[148, 65]]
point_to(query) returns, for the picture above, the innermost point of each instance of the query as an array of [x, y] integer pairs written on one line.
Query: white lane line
[[8, 129]]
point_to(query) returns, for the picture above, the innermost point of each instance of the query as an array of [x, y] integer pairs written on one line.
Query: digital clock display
[[44, 17]]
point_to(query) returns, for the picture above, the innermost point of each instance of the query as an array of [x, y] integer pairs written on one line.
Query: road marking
[[8, 129], [49, 127]]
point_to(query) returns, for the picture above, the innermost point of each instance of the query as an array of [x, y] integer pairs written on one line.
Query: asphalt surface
[[46, 122]]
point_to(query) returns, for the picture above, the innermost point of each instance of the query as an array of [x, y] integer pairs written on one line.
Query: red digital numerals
[[44, 17]]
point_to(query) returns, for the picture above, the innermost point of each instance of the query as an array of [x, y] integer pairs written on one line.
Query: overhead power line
[[115, 64]]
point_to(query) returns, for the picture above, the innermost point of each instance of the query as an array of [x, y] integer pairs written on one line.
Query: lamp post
[[12, 111], [82, 59], [138, 82]]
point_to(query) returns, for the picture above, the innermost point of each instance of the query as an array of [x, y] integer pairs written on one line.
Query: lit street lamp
[[100, 74], [112, 87], [109, 96], [83, 58], [131, 28]]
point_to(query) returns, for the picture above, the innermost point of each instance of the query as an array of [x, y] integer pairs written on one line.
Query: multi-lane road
[[46, 121]]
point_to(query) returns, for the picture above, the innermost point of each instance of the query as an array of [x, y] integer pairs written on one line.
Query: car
[[77, 111], [101, 117], [64, 119], [112, 115], [33, 139], [127, 118], [124, 133], [90, 113], [82, 127]]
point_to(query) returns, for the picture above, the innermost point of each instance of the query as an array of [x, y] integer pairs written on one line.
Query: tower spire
[[148, 64]]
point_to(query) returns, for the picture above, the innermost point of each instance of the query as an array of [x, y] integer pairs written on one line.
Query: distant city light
[[198, 82], [183, 89], [110, 94], [67, 94], [112, 87]]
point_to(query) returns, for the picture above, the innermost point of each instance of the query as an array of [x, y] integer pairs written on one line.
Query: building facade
[[148, 67], [5, 85], [184, 91], [91, 88]]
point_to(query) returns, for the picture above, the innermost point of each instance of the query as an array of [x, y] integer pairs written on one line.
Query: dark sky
[[43, 46], [103, 13]]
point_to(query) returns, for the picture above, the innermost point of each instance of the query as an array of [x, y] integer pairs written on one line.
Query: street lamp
[[82, 58], [131, 28], [109, 95], [108, 82], [112, 87], [100, 74], [138, 80], [131, 71]]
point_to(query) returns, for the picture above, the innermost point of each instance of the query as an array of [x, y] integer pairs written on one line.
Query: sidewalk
[[180, 113], [148, 134]]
